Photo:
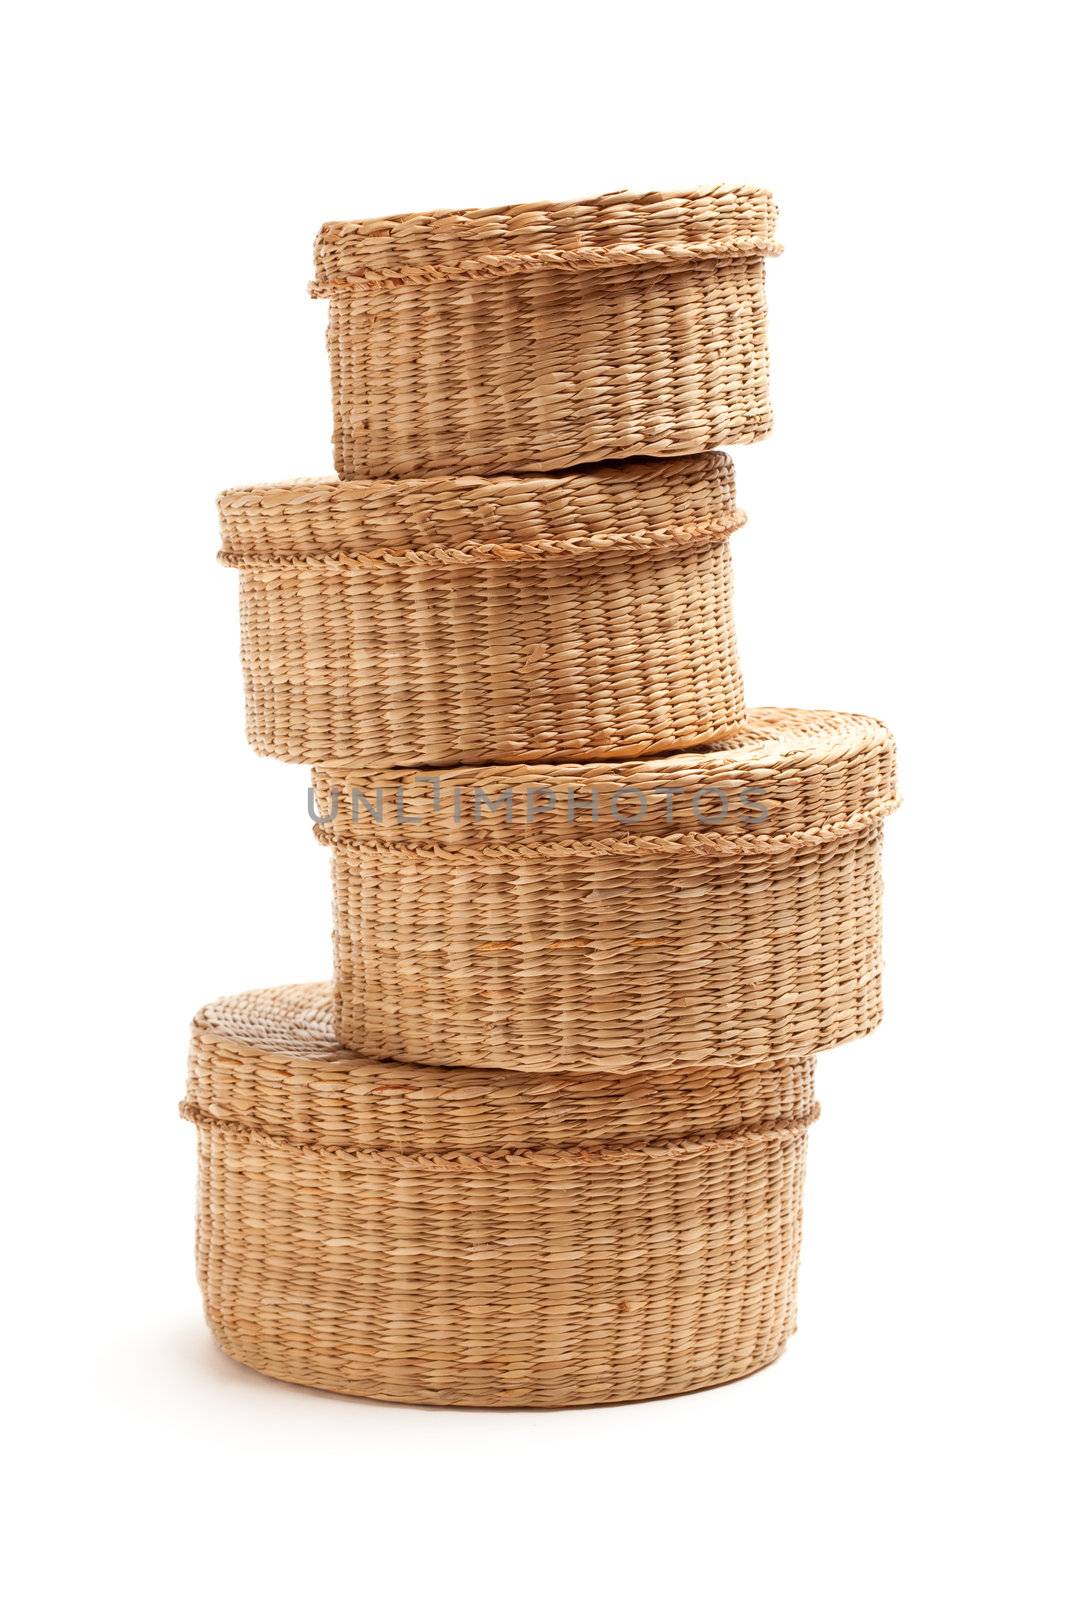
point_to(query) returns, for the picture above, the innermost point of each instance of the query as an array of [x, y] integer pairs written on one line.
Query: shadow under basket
[[539, 336], [479, 1238], [488, 619], [718, 907]]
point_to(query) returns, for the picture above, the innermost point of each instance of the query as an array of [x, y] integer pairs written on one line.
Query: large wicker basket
[[504, 619], [719, 907], [541, 336], [487, 1238]]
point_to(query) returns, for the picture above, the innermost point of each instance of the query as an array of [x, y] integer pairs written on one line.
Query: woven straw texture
[[486, 1238], [504, 619], [721, 907], [542, 336]]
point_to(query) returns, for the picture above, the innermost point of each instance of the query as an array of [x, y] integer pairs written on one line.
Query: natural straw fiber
[[541, 336], [720, 908], [480, 620], [486, 1238]]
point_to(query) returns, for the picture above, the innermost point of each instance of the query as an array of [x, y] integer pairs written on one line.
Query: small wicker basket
[[541, 336], [719, 907], [486, 1238], [504, 619]]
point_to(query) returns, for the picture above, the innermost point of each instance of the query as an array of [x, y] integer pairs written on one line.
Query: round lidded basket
[[719, 907], [539, 336], [486, 1238], [469, 619]]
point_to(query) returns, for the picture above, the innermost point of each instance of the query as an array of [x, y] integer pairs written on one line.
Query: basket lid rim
[[393, 223], [775, 738], [620, 228], [329, 489], [289, 1027], [793, 781]]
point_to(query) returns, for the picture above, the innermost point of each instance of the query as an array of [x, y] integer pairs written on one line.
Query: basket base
[[622, 1392]]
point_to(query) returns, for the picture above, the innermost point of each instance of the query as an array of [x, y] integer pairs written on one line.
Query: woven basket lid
[[325, 516], [267, 1061], [795, 777], [604, 231]]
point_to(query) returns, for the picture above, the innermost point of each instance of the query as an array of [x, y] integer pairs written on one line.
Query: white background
[[168, 169]]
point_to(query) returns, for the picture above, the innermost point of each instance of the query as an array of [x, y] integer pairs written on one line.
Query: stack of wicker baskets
[[543, 1141]]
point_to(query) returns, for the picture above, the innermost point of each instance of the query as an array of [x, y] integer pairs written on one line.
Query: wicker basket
[[722, 907], [505, 619], [486, 1238], [542, 336]]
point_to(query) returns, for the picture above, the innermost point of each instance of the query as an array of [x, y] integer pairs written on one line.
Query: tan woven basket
[[504, 619], [541, 336], [721, 907], [486, 1238]]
